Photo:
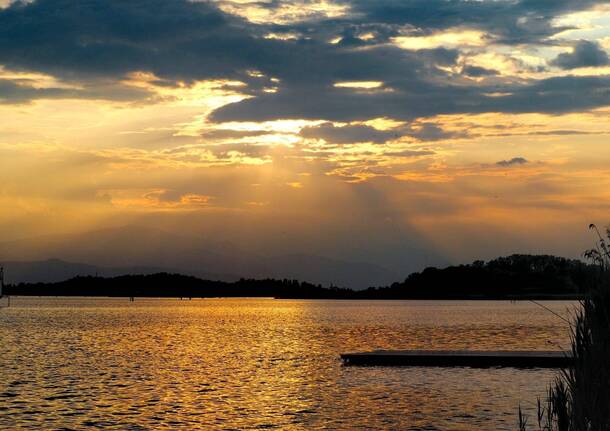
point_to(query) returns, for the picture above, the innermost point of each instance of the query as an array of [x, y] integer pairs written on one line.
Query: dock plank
[[460, 358]]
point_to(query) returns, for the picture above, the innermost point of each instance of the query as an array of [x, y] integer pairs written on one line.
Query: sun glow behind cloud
[[359, 84], [392, 121], [286, 12], [463, 38]]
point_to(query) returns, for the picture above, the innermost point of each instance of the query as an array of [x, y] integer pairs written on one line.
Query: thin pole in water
[[8, 298]]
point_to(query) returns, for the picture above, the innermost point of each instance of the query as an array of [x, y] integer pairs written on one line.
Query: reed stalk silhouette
[[579, 398]]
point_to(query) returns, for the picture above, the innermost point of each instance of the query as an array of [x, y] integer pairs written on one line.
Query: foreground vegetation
[[579, 399], [511, 277]]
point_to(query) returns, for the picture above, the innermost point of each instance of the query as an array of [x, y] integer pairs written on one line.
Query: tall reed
[[579, 399]]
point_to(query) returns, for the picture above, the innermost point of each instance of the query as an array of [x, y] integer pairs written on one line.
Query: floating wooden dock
[[460, 358]]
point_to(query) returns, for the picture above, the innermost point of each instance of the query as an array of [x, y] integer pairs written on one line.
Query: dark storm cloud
[[432, 132], [510, 21], [553, 95], [348, 134], [180, 40], [477, 72], [515, 161], [176, 40], [111, 38], [361, 133], [584, 54], [556, 95], [506, 21], [96, 43]]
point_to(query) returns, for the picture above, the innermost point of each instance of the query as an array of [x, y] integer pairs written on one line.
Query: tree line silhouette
[[516, 276]]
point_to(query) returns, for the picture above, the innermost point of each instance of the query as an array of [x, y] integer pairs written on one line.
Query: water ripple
[[233, 364]]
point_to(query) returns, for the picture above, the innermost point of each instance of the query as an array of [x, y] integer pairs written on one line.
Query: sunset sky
[[397, 132]]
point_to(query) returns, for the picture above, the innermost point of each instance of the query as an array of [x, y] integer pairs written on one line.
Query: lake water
[[73, 363]]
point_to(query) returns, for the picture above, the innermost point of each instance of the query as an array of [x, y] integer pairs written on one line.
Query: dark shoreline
[[511, 278], [319, 298]]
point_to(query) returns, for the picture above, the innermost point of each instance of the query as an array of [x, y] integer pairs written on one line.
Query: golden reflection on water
[[261, 363]]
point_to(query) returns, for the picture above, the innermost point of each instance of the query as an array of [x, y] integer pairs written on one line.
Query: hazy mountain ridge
[[137, 250], [55, 270], [510, 277]]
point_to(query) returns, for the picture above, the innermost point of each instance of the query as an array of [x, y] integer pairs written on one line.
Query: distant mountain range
[[54, 270], [137, 250], [511, 277]]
